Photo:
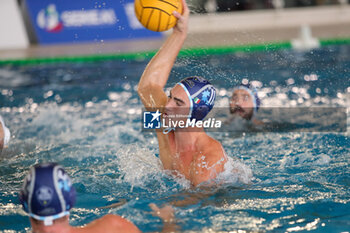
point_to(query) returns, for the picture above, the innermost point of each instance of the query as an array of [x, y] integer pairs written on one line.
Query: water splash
[[235, 173], [138, 165]]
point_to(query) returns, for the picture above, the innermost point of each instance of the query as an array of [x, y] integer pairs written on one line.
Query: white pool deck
[[224, 29]]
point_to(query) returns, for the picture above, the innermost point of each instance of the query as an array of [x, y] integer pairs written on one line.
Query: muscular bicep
[[153, 97]]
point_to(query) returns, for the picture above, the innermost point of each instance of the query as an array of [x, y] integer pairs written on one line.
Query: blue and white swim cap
[[253, 92], [7, 134], [201, 95], [47, 193]]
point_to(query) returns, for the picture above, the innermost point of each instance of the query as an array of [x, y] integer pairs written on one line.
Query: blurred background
[[65, 28], [206, 6]]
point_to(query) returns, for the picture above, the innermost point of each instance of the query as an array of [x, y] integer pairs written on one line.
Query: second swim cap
[[47, 193], [201, 95], [253, 92]]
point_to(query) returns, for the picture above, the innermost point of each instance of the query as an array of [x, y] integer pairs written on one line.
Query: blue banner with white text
[[67, 21]]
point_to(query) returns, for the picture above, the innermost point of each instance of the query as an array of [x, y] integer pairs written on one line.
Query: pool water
[[87, 117]]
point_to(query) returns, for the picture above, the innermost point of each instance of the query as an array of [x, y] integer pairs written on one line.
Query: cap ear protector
[[47, 193], [201, 94], [201, 112]]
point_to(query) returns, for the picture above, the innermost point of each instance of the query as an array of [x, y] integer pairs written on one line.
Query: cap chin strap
[[168, 130], [48, 220]]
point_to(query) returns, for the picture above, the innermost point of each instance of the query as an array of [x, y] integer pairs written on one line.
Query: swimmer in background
[[194, 155], [5, 135], [245, 103], [47, 196]]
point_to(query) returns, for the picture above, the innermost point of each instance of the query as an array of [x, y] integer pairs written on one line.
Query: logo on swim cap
[[47, 192], [44, 195], [201, 95]]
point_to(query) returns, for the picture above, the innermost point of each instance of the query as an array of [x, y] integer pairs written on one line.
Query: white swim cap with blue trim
[[253, 92], [7, 133], [201, 94], [47, 193]]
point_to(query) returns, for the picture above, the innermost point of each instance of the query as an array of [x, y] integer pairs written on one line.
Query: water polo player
[[47, 196], [5, 134], [191, 153], [245, 102]]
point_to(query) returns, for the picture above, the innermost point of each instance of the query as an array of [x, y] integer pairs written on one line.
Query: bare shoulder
[[210, 145], [209, 162], [212, 149], [109, 223], [119, 223]]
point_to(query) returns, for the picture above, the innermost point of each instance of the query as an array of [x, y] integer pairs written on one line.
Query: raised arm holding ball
[[191, 153]]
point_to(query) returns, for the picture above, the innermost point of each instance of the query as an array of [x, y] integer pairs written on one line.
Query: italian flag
[[196, 100]]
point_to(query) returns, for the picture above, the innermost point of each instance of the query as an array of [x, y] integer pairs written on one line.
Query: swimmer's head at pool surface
[[244, 101], [192, 97], [47, 195], [5, 134]]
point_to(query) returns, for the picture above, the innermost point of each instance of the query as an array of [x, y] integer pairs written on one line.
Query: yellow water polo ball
[[157, 15]]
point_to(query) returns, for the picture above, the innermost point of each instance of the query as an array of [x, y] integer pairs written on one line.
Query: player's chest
[[185, 162]]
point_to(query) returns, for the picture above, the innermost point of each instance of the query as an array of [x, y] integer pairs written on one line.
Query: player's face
[[178, 105], [1, 137], [242, 104]]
